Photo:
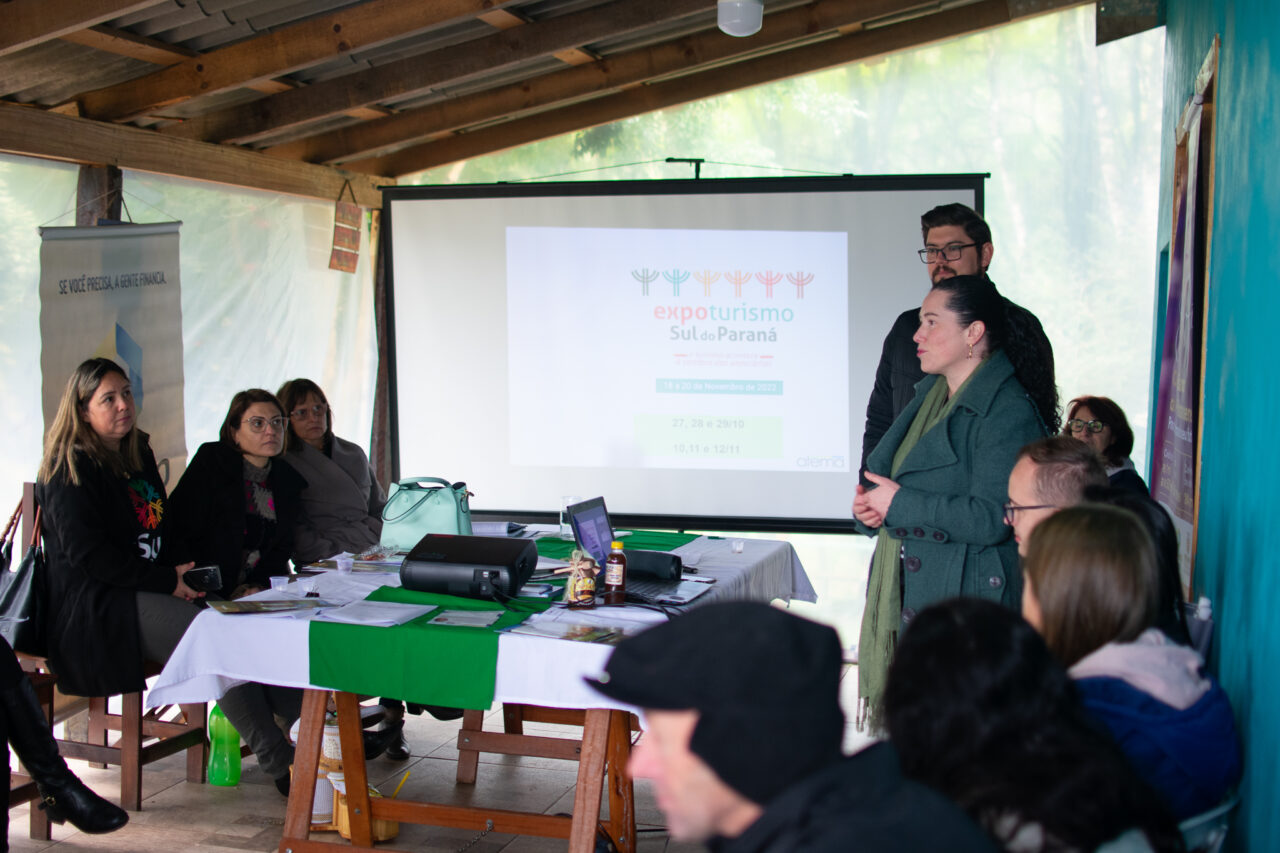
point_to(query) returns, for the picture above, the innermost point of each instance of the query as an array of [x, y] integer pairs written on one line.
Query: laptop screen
[[591, 528]]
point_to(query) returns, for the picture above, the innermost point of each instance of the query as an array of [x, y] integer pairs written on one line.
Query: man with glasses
[[956, 242], [1050, 474]]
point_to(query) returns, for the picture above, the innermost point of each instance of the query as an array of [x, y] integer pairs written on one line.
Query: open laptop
[[594, 534]]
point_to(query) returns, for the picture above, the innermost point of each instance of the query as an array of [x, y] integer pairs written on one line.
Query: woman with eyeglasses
[[940, 473], [1093, 592], [341, 507], [237, 503], [1101, 424], [235, 508]]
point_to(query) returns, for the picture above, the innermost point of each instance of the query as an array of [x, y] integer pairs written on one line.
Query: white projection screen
[[698, 352]]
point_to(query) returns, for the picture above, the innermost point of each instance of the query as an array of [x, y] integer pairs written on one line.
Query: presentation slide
[[699, 353], [701, 349]]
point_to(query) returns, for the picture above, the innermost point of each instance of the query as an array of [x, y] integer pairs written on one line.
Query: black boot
[[376, 742], [63, 796]]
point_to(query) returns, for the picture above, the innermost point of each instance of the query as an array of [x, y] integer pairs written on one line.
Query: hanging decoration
[[347, 217]]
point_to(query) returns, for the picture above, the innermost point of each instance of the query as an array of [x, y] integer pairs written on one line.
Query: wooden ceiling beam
[[600, 78], [273, 54], [857, 46], [40, 133], [414, 75], [25, 23], [124, 43]]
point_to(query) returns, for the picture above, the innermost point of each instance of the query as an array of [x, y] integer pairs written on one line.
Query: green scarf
[[883, 611]]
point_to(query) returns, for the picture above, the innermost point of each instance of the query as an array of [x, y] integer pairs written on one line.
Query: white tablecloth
[[220, 651]]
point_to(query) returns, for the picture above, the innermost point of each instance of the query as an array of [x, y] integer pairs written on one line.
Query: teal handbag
[[422, 505]]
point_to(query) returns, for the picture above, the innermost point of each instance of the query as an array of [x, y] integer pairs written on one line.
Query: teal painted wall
[[1238, 556]]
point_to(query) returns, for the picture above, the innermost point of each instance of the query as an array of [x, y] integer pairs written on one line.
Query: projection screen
[[698, 352]]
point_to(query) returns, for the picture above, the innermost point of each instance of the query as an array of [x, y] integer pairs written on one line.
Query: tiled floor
[[178, 816]]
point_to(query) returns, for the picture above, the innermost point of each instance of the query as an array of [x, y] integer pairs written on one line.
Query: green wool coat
[[949, 511]]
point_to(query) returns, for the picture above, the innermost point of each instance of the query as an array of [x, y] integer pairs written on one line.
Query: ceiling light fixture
[[740, 18]]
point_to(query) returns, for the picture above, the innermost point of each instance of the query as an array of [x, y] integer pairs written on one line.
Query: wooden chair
[[144, 737]]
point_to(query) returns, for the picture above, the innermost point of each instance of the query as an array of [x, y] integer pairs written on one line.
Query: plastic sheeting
[[259, 303]]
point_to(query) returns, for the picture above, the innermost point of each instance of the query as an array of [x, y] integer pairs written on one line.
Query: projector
[[486, 567]]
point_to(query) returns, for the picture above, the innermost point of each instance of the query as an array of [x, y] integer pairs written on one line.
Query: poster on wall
[[1173, 465], [115, 292]]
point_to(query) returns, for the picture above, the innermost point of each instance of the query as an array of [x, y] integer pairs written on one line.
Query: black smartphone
[[204, 578]]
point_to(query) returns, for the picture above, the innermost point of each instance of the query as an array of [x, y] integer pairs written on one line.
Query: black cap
[[766, 685]]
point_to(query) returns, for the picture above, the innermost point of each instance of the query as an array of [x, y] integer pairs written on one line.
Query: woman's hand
[[862, 508], [183, 591], [880, 498]]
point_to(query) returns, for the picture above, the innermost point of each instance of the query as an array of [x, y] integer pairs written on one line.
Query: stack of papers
[[379, 613]]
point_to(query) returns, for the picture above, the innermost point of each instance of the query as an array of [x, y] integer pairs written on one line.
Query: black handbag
[[22, 599], [6, 541]]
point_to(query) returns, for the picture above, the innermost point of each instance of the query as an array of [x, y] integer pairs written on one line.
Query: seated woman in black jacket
[[113, 604], [235, 507], [237, 504]]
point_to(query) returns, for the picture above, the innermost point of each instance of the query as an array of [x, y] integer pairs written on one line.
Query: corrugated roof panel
[[222, 37], [138, 17], [198, 28], [159, 26], [273, 15]]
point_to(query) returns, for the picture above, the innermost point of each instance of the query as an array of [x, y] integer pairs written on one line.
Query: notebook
[[594, 534]]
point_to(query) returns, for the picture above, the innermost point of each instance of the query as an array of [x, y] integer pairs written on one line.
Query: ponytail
[[1014, 329]]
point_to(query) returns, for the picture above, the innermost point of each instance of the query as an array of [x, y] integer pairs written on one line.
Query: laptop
[[594, 534]]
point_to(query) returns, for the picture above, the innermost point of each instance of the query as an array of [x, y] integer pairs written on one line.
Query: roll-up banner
[[115, 292]]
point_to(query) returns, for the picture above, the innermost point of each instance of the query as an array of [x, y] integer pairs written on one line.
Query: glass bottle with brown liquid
[[615, 576]]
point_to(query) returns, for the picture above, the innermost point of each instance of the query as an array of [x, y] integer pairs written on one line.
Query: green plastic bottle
[[224, 750]]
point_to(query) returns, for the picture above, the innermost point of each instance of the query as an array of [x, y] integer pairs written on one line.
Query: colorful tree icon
[[644, 276], [799, 279], [707, 278], [737, 278], [676, 277], [769, 278]]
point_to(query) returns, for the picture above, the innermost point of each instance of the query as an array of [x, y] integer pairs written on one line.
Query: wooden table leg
[[306, 761], [513, 719], [351, 733], [468, 759], [586, 796], [622, 804]]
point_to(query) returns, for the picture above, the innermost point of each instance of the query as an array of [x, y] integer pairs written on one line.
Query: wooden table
[[601, 754]]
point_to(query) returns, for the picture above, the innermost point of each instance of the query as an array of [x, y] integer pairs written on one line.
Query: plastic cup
[[566, 527], [736, 545], [279, 582], [307, 585], [345, 564]]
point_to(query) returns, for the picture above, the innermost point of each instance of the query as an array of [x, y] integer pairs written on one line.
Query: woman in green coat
[[940, 473]]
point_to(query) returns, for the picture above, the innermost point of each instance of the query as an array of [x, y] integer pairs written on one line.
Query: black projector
[[488, 567]]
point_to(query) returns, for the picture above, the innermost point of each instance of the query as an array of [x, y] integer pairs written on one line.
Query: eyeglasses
[[949, 252], [1011, 509], [1077, 425], [306, 412], [259, 424]]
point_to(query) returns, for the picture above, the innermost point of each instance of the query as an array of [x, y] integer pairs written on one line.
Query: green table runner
[[430, 664], [555, 548]]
